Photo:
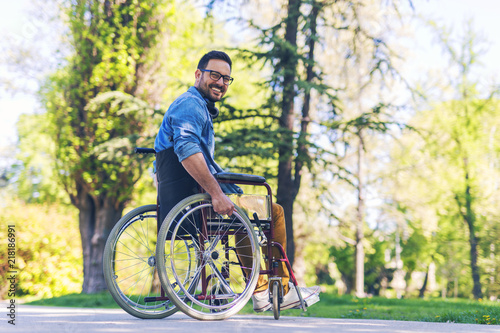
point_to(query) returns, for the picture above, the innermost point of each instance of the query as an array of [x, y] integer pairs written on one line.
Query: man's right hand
[[196, 166], [223, 205]]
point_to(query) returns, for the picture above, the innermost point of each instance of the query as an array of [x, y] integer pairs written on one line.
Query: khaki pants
[[279, 237]]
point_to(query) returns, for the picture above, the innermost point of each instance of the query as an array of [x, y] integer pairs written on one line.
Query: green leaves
[[98, 104], [48, 257]]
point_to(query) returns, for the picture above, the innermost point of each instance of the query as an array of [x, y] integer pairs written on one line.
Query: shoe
[[292, 301], [261, 301]]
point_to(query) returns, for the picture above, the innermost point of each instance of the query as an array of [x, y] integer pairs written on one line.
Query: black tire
[[130, 265], [276, 300], [228, 286]]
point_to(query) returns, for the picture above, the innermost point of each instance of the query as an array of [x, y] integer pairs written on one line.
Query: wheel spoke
[[130, 268], [213, 285]]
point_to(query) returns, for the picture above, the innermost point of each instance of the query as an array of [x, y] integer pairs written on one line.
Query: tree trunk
[[347, 284], [286, 192], [96, 222], [470, 219], [302, 141], [86, 217], [360, 251], [421, 292], [476, 291]]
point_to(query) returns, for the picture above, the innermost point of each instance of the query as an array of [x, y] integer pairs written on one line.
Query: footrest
[[303, 304], [239, 177]]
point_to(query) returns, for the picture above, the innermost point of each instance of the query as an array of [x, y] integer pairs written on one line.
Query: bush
[[48, 249]]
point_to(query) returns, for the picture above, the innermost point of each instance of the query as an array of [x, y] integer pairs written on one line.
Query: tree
[[367, 71], [293, 78], [114, 49], [100, 104], [301, 111], [468, 115], [451, 166], [36, 179]]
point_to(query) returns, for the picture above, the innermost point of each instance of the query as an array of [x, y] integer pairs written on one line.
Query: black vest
[[174, 182]]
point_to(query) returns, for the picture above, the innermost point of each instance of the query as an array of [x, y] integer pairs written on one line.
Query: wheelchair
[[196, 260]]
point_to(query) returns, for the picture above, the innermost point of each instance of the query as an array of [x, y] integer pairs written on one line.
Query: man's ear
[[197, 74]]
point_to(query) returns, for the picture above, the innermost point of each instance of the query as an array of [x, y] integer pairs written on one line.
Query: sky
[[15, 22], [454, 14]]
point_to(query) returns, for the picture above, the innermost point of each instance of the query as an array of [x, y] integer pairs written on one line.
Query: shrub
[[48, 249]]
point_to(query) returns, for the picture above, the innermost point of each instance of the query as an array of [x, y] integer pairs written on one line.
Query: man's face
[[213, 90]]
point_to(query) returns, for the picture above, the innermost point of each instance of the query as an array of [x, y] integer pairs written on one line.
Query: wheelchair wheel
[[228, 259], [130, 265], [276, 299]]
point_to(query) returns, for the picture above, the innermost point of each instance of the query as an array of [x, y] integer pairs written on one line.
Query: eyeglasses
[[216, 76]]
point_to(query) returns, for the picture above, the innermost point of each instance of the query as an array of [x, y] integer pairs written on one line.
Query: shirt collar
[[212, 110]]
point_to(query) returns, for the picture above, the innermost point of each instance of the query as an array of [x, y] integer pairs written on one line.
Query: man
[[184, 159]]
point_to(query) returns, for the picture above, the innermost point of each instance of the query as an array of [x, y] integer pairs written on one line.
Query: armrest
[[239, 177], [139, 150]]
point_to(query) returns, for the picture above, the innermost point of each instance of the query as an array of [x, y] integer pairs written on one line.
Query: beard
[[213, 92]]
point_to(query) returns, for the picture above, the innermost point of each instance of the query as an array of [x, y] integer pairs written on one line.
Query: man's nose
[[220, 79]]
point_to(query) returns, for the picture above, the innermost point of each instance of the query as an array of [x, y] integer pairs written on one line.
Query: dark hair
[[214, 55]]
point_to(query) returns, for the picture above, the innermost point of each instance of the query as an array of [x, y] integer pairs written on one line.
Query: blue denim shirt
[[187, 126]]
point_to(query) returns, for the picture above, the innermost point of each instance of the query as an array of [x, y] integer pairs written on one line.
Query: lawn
[[334, 306]]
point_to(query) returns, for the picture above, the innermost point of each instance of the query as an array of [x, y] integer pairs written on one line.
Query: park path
[[41, 319]]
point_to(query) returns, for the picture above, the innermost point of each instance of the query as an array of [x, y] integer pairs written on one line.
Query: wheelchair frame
[[181, 298]]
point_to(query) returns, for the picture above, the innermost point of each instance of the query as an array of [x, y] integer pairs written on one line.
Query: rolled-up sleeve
[[187, 120]]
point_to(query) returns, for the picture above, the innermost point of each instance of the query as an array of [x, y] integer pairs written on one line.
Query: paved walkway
[[41, 319]]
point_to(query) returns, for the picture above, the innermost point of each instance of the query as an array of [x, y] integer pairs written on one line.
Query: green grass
[[432, 310], [334, 306], [102, 300]]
